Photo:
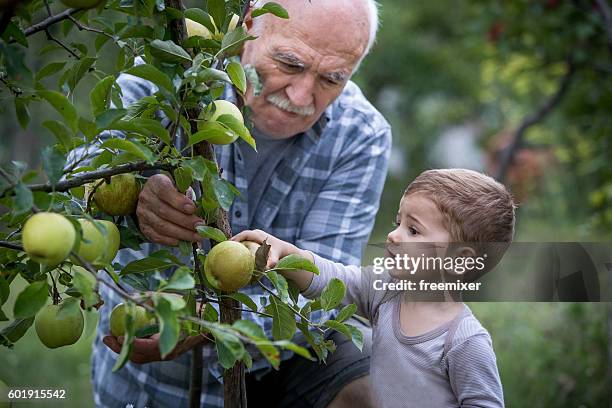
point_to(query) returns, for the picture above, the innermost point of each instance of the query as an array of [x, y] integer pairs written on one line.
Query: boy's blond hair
[[475, 207]]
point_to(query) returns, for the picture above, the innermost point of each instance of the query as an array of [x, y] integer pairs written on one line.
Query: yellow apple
[[223, 108], [113, 240], [120, 196], [229, 266], [141, 319], [59, 325], [195, 28], [48, 238]]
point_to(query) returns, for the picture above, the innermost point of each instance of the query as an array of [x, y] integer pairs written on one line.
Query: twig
[[10, 245], [64, 46], [536, 117]]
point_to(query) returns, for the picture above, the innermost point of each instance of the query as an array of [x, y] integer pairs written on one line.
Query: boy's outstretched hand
[[278, 250]]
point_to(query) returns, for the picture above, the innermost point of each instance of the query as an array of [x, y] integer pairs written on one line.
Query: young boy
[[425, 353]]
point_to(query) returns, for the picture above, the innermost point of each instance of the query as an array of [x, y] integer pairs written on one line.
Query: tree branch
[[49, 21], [534, 118], [82, 178]]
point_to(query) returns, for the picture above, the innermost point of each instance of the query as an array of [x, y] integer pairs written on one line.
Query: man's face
[[303, 63]]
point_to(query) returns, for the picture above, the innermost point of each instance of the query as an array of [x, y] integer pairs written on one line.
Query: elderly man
[[316, 182]]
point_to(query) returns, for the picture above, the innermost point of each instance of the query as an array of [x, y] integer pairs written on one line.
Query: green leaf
[[237, 75], [280, 283], [270, 352], [182, 178], [198, 167], [223, 193], [61, 133], [5, 290], [79, 69], [283, 322], [346, 312], [17, 329], [356, 336], [238, 127], [88, 128], [169, 326], [176, 301], [63, 106], [301, 351], [333, 294], [133, 147], [108, 117], [23, 200], [49, 69], [244, 299], [296, 262], [147, 265], [210, 313], [85, 283], [211, 233], [99, 97], [155, 127], [168, 51], [229, 348], [202, 17], [212, 74], [181, 279], [207, 130], [150, 73], [233, 41], [21, 110], [31, 299], [216, 8], [273, 8], [250, 329], [339, 327], [53, 164]]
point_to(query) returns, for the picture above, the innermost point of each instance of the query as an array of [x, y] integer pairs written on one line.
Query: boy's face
[[419, 229]]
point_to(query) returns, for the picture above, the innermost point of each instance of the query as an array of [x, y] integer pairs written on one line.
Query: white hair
[[373, 20]]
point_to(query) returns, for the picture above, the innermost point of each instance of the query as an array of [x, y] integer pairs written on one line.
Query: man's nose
[[300, 91]]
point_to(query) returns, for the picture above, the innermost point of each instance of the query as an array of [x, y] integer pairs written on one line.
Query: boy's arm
[[472, 370], [312, 285]]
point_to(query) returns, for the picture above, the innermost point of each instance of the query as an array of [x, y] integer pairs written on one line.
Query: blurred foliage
[[438, 64]]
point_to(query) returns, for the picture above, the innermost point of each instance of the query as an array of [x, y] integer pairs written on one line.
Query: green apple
[[92, 245], [229, 266], [112, 239], [48, 238], [59, 325], [82, 4], [195, 28], [141, 319], [120, 196], [223, 108]]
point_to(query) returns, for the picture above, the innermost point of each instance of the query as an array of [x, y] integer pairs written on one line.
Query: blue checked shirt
[[322, 196]]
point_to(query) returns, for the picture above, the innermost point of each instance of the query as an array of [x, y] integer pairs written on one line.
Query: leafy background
[[458, 77]]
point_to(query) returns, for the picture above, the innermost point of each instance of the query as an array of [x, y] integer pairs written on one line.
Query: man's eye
[[290, 67]]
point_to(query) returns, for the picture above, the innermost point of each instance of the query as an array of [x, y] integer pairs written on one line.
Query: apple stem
[[56, 296]]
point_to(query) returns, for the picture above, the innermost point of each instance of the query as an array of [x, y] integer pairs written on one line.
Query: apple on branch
[[120, 196], [229, 266], [48, 238], [59, 325], [222, 107]]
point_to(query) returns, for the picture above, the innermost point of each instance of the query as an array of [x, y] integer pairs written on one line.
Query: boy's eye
[[413, 231], [395, 223]]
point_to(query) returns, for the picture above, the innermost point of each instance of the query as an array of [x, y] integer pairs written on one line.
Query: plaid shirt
[[323, 197]]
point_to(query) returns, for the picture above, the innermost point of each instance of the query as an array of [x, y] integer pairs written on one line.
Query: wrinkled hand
[[146, 350], [165, 215]]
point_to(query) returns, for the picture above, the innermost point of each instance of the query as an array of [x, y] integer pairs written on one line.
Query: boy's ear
[[465, 252]]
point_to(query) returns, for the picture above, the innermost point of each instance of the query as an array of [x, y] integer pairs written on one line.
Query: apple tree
[[62, 224]]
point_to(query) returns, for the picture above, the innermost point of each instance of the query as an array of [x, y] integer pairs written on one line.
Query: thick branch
[[534, 118], [82, 178]]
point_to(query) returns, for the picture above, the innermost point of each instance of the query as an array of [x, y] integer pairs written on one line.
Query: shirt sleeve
[[356, 280], [472, 370], [340, 220]]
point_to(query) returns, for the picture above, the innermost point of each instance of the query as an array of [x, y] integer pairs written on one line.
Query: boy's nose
[[392, 237]]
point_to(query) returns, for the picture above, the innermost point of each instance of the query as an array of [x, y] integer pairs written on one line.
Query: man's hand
[[146, 350], [165, 215]]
